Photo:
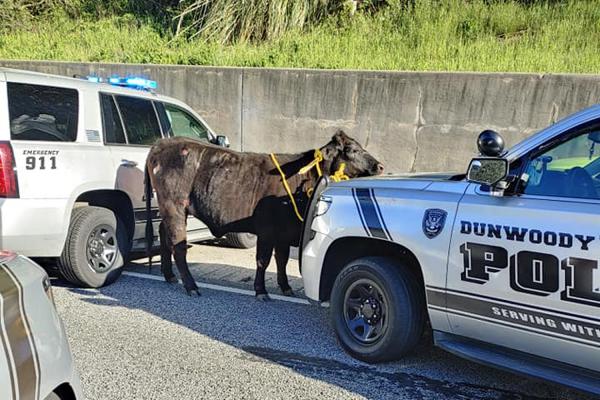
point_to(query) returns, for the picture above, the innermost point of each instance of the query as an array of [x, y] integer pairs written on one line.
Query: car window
[[183, 124], [45, 113], [113, 129], [566, 170], [139, 118]]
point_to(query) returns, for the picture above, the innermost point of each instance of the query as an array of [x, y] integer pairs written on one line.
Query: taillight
[[6, 255], [8, 176]]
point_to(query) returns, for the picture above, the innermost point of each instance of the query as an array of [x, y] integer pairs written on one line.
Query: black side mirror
[[222, 141], [487, 171], [490, 143]]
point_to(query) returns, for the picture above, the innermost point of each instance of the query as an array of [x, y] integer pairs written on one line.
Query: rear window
[[42, 112]]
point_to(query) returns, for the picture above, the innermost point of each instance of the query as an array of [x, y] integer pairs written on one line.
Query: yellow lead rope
[[314, 163], [287, 187], [336, 177], [339, 174]]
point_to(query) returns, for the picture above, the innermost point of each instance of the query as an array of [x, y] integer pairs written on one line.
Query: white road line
[[222, 288]]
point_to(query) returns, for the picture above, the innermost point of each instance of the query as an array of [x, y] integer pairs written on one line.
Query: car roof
[[79, 84]]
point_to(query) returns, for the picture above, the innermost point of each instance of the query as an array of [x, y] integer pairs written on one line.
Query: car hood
[[413, 181]]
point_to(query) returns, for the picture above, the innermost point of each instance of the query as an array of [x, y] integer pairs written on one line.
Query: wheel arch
[[346, 249], [65, 392], [115, 200]]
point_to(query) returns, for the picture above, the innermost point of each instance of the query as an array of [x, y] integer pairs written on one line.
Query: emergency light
[[95, 79], [134, 82]]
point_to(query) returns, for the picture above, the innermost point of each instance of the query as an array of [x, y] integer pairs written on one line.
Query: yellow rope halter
[[316, 163]]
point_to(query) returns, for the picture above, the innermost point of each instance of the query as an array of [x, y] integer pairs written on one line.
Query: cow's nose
[[380, 168]]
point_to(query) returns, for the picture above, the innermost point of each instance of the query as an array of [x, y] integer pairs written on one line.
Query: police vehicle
[[502, 261], [35, 359], [72, 154]]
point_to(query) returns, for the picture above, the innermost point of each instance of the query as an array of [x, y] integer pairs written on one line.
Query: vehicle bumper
[[51, 347], [33, 227], [312, 264]]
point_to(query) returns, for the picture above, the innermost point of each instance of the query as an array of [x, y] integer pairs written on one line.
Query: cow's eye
[[350, 150]]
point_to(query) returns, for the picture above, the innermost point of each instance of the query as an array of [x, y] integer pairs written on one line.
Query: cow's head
[[343, 149]]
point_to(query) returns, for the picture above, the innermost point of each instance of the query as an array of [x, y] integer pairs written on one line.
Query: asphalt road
[[145, 339]]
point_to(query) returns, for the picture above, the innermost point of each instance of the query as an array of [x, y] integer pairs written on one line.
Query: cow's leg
[[264, 250], [180, 253], [175, 223], [166, 263], [282, 255]]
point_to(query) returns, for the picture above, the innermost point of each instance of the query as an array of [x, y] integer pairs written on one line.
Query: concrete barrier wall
[[411, 121]]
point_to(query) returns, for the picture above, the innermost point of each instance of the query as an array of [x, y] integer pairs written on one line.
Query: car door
[[130, 128], [523, 268]]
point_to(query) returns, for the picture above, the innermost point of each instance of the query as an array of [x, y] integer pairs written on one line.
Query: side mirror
[[490, 143], [487, 171], [222, 141]]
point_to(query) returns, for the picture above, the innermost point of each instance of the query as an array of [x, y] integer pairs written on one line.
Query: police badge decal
[[433, 222]]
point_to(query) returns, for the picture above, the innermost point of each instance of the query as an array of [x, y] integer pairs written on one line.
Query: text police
[[531, 272]]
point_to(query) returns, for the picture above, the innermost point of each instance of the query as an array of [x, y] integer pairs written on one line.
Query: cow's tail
[[149, 227]]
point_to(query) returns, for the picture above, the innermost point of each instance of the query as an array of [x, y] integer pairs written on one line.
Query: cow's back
[[226, 188]]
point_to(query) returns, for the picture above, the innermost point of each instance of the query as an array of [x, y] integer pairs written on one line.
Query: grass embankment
[[477, 35]]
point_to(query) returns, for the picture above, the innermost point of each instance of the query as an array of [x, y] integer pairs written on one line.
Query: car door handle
[[129, 163]]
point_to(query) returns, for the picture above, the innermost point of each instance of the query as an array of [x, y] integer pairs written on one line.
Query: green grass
[[447, 35]]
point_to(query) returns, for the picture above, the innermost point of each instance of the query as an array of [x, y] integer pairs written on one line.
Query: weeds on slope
[[428, 35]]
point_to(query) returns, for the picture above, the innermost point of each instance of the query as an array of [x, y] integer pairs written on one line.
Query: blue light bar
[[134, 82], [141, 82]]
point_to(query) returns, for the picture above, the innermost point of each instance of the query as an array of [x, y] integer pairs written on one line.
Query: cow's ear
[[340, 138]]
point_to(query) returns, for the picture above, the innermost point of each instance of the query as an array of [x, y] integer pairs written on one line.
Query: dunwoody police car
[[502, 261], [35, 359], [72, 153]]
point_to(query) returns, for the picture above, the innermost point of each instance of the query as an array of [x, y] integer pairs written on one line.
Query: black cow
[[240, 192]]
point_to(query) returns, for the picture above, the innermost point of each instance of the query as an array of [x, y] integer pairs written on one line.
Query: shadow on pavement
[[224, 274], [300, 338]]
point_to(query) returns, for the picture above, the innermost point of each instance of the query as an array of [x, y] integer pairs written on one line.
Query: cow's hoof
[[193, 292], [288, 292], [263, 297], [172, 279]]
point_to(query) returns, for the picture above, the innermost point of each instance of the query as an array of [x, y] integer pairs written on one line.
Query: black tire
[[241, 240], [53, 396], [81, 262], [395, 293]]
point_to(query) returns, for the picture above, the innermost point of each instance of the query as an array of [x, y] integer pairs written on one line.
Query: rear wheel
[[97, 245], [241, 240], [377, 309]]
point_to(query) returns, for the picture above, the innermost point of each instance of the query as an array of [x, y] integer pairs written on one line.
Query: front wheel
[[96, 247], [377, 309]]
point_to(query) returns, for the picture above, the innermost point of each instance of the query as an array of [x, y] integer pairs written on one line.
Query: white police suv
[[72, 155], [502, 261], [35, 359]]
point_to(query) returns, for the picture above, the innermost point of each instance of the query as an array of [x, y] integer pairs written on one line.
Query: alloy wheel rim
[[101, 249]]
